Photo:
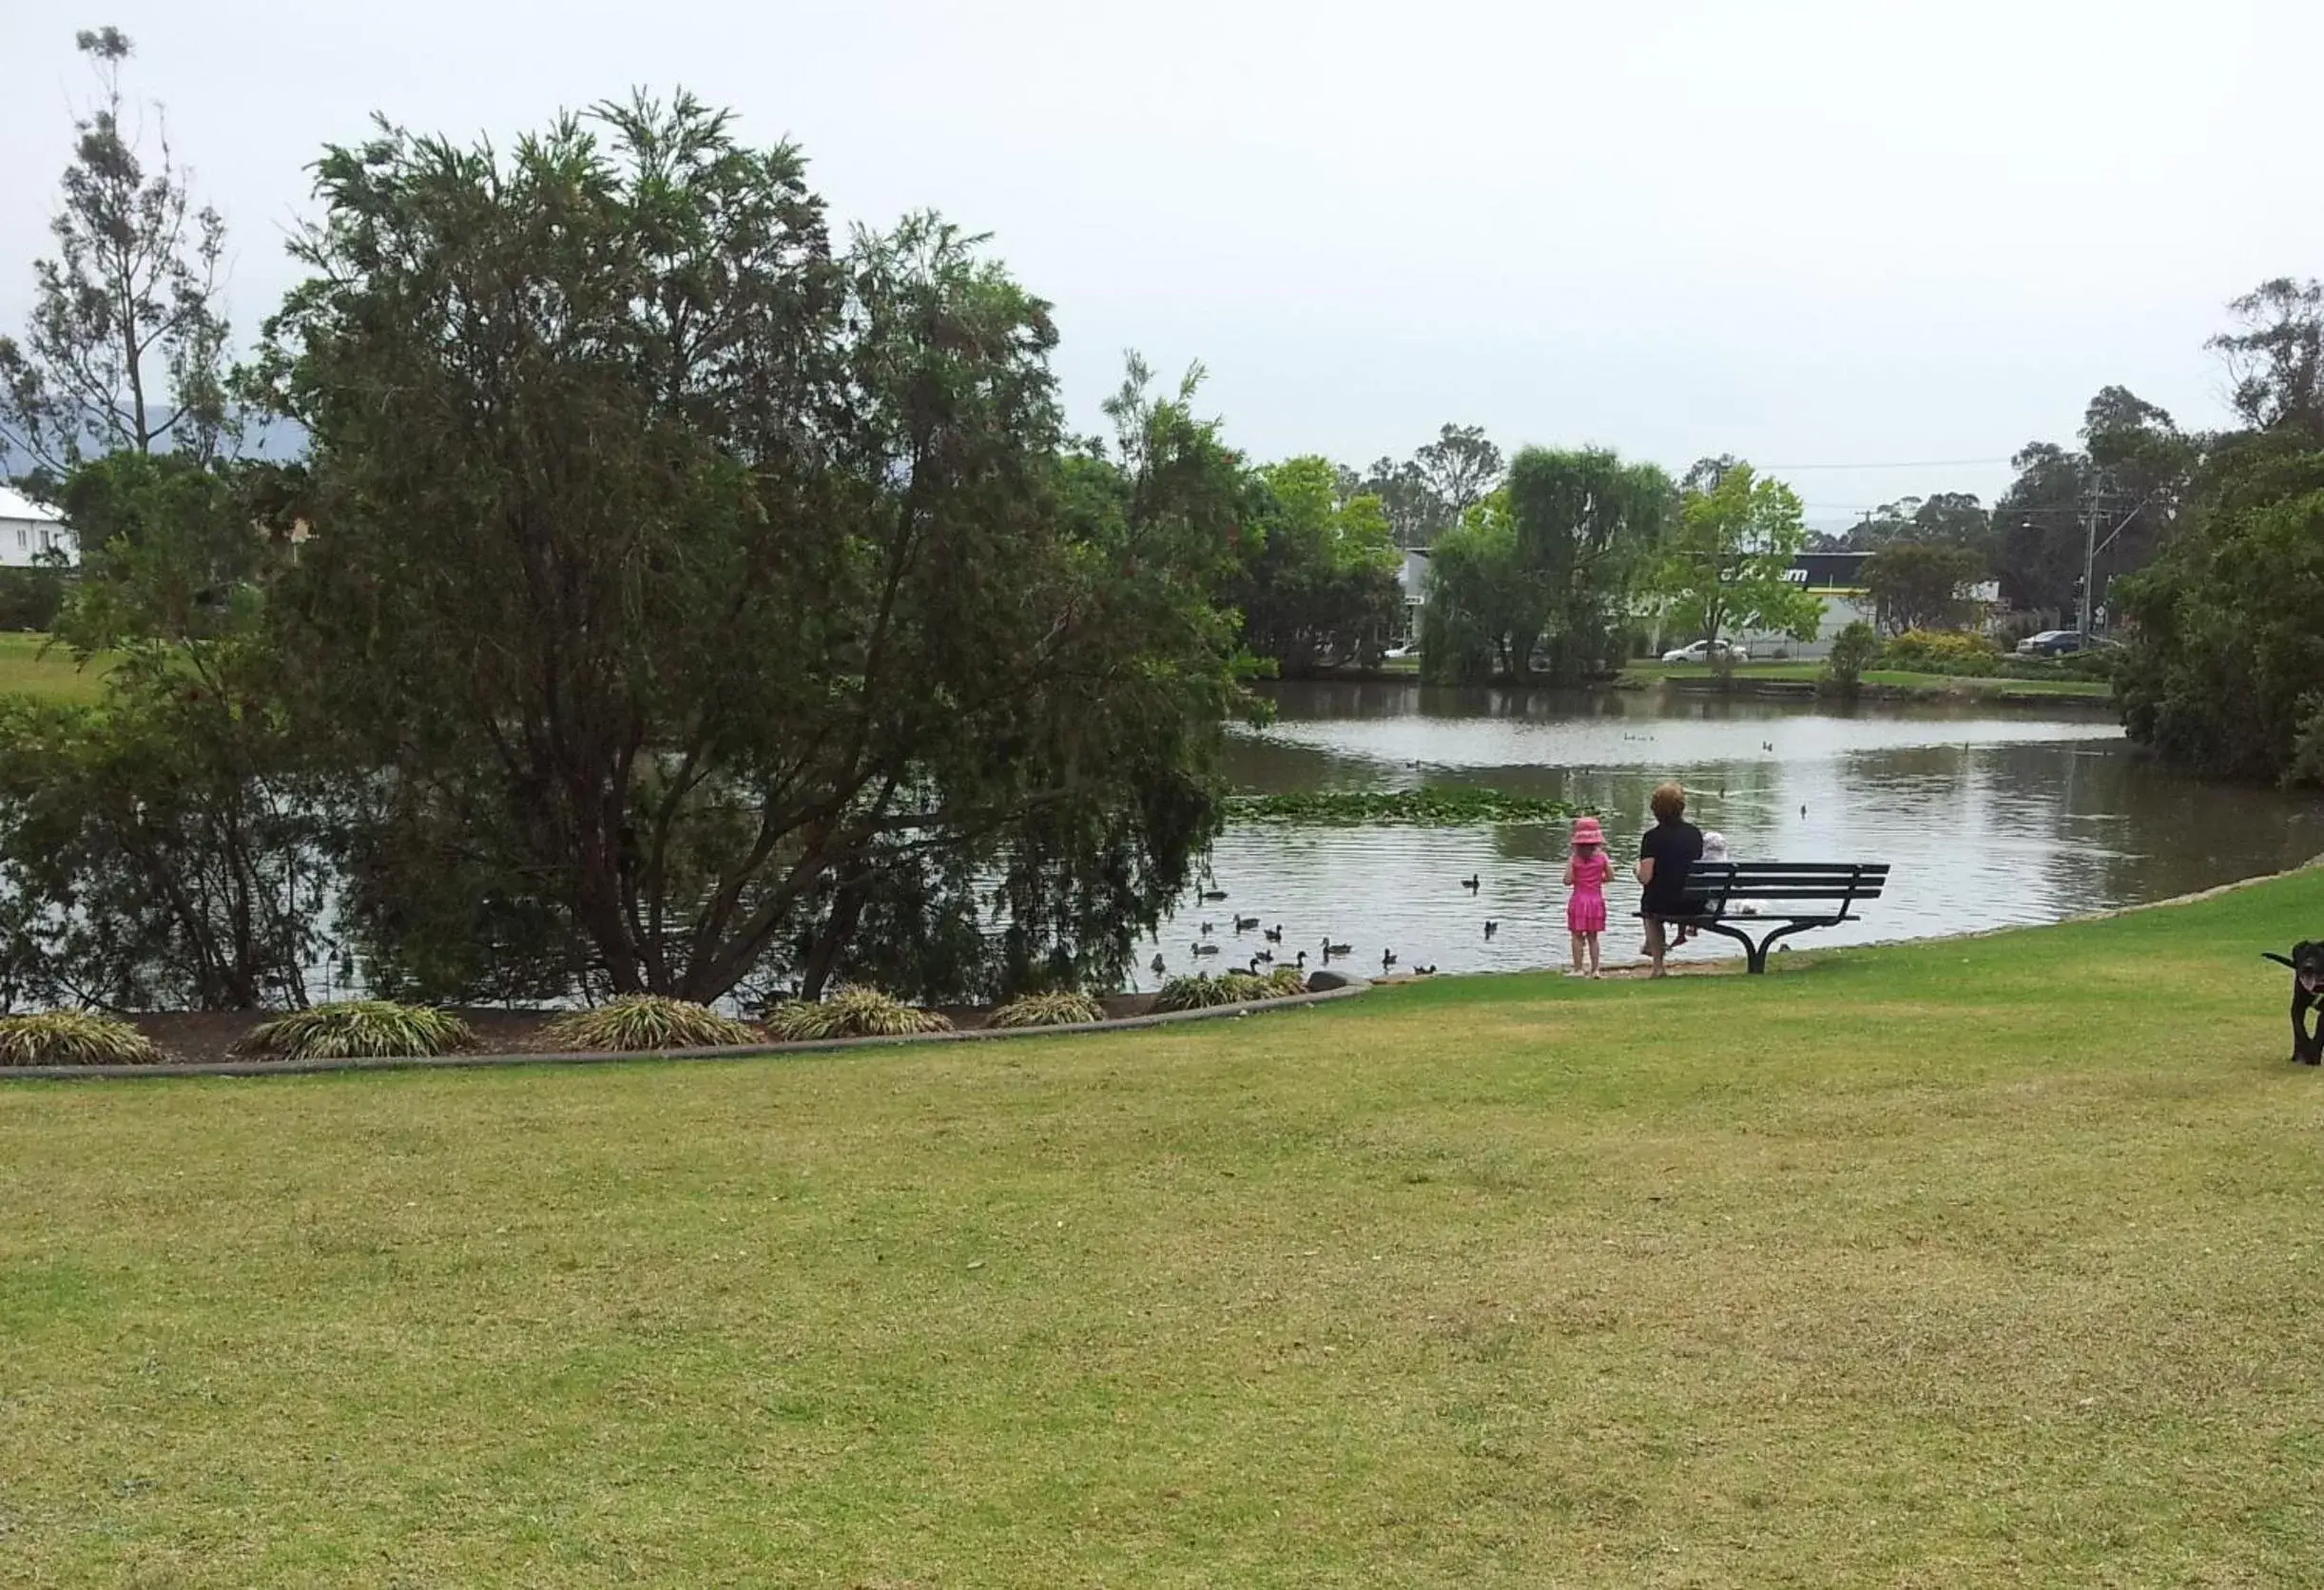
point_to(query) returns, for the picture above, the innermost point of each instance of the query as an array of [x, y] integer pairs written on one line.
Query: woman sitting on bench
[[1669, 848]]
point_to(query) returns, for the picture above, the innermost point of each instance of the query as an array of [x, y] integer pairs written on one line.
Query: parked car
[[1397, 654], [2050, 643], [1704, 651]]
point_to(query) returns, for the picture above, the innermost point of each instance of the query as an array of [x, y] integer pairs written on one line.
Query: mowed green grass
[[1924, 684], [29, 665], [1994, 1262]]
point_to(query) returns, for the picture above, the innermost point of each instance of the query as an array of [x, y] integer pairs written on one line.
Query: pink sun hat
[[1586, 831]]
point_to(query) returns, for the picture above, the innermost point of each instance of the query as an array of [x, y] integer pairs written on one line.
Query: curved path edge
[[618, 1057]]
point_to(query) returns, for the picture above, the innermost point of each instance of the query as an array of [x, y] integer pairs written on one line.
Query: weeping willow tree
[[1546, 566]]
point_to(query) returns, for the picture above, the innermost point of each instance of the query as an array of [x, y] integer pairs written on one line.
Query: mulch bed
[[204, 1037]]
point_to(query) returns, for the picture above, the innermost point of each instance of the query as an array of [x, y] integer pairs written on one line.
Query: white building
[[28, 530]]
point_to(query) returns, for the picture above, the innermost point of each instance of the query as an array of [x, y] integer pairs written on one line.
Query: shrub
[[1059, 1009], [852, 1013], [1853, 651], [1939, 652], [73, 1037], [1201, 991], [354, 1028], [646, 1021]]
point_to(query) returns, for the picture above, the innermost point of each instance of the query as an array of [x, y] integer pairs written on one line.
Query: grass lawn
[[24, 672], [1993, 1262], [1925, 684]]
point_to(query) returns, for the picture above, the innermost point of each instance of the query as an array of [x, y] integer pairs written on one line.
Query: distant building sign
[[1828, 571]]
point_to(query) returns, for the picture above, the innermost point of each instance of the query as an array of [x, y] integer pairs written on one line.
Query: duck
[[1491, 927], [1387, 958], [1207, 929], [1160, 965], [1206, 949], [1428, 971], [1257, 956], [1255, 967], [1243, 924], [1331, 949], [1300, 960], [1212, 894], [1471, 882], [1274, 934]]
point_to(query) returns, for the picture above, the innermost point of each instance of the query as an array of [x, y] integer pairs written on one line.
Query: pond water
[[1988, 816]]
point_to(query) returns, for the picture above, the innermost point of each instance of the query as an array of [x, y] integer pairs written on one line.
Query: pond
[[1990, 817]]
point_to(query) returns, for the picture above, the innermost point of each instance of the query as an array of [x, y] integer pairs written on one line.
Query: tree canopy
[[718, 605], [1550, 561], [1724, 566]]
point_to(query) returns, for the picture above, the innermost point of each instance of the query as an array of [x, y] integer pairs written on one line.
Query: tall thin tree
[[126, 343]]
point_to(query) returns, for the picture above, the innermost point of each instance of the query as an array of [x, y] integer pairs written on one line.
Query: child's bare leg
[[1655, 946], [1577, 948], [1595, 970]]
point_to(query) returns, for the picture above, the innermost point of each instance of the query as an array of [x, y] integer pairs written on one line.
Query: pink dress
[[1586, 909]]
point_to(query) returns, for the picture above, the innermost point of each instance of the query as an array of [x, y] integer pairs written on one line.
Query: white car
[[1704, 651]]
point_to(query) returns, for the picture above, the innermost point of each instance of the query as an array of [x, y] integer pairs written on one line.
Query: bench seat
[[1789, 897]]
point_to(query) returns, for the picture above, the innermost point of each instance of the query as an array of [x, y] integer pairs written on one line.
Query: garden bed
[[203, 1043]]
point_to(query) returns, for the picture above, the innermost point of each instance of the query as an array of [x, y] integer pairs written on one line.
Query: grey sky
[[1827, 232]]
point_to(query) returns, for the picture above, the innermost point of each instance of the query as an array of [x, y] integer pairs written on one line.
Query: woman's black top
[[1674, 846]]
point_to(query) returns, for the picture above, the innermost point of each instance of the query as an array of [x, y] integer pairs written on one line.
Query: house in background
[[28, 530], [1413, 577]]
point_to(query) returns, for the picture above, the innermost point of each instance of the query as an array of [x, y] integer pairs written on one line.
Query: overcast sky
[[1828, 232]]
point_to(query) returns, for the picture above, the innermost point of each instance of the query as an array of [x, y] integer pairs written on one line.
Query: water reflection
[[1988, 820]]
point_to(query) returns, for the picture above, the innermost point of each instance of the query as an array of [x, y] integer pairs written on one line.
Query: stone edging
[[738, 1052]]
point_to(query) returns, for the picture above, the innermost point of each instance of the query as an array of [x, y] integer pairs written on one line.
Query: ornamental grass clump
[[1202, 992], [851, 1012], [644, 1022], [357, 1029], [1059, 1008], [73, 1037]]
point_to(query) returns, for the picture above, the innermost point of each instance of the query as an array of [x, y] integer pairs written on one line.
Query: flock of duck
[[1264, 956]]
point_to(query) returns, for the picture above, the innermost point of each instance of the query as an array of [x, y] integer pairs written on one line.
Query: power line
[[1918, 463]]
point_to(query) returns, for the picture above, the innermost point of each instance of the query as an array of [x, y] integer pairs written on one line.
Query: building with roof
[[29, 529]]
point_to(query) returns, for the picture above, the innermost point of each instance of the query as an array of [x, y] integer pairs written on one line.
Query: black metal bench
[[1794, 895]]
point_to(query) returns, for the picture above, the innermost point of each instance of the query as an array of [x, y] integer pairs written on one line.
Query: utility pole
[[2089, 560]]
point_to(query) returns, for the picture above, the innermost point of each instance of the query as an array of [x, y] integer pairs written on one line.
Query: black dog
[[2307, 963]]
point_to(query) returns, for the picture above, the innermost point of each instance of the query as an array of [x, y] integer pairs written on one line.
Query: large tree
[[1318, 583], [127, 339], [1548, 562], [1917, 585], [710, 607], [1586, 524], [1433, 491], [1724, 566], [2225, 649]]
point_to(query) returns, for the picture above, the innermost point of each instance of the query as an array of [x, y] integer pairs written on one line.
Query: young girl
[[1586, 873], [1715, 849]]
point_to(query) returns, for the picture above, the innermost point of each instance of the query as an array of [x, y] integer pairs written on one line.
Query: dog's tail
[[2279, 960]]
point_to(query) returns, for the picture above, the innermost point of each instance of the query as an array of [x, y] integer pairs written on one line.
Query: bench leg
[[1755, 955]]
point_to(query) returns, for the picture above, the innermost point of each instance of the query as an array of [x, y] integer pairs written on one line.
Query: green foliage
[[1551, 560], [1945, 519], [852, 1012], [647, 1022], [1201, 991], [1318, 579], [1062, 1007], [2224, 663], [1476, 612], [126, 349], [1853, 651], [1918, 585], [73, 1037], [1939, 652], [31, 598], [357, 1028], [824, 637], [1723, 566], [1438, 806]]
